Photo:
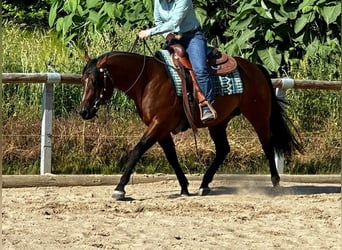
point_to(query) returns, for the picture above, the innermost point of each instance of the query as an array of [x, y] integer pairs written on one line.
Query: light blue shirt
[[176, 16]]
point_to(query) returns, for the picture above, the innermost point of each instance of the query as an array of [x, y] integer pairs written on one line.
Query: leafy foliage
[[268, 32], [274, 32], [73, 19], [33, 13]]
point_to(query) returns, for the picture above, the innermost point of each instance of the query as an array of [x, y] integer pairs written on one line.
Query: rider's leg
[[197, 51]]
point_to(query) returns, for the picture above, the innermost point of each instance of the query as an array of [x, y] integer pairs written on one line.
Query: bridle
[[101, 100], [106, 76]]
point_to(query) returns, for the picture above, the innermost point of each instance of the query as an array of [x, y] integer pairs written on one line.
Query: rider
[[178, 17]]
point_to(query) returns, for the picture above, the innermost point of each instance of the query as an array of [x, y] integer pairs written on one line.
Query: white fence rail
[[49, 79]]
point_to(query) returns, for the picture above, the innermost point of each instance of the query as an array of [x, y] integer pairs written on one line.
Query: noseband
[[99, 101]]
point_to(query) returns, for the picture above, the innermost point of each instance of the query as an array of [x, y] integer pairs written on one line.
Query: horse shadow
[[276, 191], [269, 190], [260, 189]]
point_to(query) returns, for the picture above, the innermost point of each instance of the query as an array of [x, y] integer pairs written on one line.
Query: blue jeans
[[196, 47]]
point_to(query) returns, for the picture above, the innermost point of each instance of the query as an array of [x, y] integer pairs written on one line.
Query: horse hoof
[[118, 195], [275, 181], [203, 191], [184, 194]]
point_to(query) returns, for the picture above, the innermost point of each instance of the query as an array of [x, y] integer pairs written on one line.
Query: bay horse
[[146, 80]]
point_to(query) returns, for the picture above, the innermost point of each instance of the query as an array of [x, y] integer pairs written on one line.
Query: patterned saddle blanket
[[222, 85]]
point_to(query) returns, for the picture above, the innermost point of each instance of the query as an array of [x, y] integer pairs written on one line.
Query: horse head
[[97, 86]]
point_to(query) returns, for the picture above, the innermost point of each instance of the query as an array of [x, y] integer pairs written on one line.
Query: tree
[[273, 32], [73, 19], [269, 32], [33, 13]]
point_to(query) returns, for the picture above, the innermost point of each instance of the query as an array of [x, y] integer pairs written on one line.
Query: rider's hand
[[170, 37], [144, 34]]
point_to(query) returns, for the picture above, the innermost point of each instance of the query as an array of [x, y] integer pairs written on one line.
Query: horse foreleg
[[169, 149], [144, 144], [219, 136]]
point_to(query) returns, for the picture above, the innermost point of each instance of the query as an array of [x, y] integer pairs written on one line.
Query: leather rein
[[106, 75]]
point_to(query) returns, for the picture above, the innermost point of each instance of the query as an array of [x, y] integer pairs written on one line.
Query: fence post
[[46, 132], [281, 93]]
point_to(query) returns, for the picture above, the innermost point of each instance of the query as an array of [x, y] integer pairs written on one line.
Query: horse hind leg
[[270, 154], [262, 128], [219, 135]]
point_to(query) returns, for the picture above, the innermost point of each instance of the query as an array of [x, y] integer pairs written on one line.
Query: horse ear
[[86, 56]]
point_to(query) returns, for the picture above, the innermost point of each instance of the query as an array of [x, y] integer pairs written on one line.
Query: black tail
[[283, 140]]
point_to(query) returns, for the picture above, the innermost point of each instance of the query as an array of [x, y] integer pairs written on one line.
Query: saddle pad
[[222, 85]]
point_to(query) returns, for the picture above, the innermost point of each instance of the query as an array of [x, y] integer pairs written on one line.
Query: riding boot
[[207, 115], [207, 111]]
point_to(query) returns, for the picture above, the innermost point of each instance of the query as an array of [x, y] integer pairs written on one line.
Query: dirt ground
[[236, 215]]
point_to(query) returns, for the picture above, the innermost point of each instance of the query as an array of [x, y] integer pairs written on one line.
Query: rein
[[144, 64], [106, 75], [181, 72]]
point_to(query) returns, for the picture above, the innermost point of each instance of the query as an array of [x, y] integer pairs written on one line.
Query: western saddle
[[218, 63]]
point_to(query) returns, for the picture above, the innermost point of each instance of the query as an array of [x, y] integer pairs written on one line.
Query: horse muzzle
[[88, 114]]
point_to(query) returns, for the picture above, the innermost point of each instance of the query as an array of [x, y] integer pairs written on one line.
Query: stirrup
[[211, 108]]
